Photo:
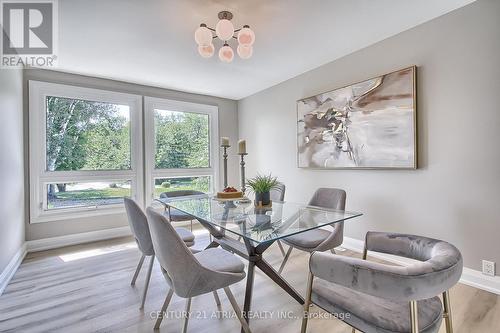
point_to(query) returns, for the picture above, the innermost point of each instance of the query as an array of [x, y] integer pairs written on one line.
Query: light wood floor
[[86, 288]]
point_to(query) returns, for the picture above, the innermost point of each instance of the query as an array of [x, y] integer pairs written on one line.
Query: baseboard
[[469, 277], [478, 280], [74, 239], [11, 268]]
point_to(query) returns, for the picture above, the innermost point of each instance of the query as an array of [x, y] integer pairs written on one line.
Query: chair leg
[[191, 225], [163, 309], [307, 303], [281, 248], [285, 260], [237, 310], [148, 277], [186, 318], [413, 317], [333, 251], [137, 270], [447, 312], [353, 330], [217, 299]]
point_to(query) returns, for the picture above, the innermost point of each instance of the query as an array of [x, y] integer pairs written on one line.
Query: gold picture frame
[[370, 124]]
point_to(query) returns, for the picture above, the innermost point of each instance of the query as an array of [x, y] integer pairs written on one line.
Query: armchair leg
[[137, 270], [163, 309], [146, 285], [413, 317], [447, 312], [237, 310], [281, 247], [191, 225], [186, 318], [307, 303], [217, 299], [285, 260]]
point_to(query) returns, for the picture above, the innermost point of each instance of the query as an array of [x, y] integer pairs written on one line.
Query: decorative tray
[[242, 199]]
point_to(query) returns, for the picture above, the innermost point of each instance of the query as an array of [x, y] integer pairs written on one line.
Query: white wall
[[455, 193], [228, 126], [11, 165]]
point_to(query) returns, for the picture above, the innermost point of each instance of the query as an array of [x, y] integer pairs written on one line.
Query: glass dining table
[[248, 231]]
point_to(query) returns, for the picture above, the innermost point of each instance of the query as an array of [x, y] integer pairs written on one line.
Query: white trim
[[38, 91], [152, 103], [11, 268], [469, 277], [479, 280], [74, 239]]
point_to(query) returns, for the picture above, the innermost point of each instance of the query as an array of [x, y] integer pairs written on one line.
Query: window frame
[[152, 103], [39, 176]]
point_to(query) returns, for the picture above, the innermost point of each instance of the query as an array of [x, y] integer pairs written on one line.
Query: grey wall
[[455, 193], [11, 165], [228, 120]]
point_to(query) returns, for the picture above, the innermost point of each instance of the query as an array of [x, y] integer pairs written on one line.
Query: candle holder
[[224, 155], [242, 172]]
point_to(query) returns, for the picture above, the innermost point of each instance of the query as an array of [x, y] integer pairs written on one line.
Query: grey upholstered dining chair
[[140, 230], [319, 239], [177, 215], [190, 275], [374, 297], [278, 194]]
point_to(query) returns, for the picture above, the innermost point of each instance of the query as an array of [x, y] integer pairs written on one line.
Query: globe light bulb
[[226, 53], [246, 36], [224, 29], [203, 36], [244, 51], [206, 51]]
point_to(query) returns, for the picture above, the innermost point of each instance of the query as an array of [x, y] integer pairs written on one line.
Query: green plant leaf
[[263, 183]]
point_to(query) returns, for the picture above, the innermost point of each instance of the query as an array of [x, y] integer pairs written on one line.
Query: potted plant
[[261, 185]]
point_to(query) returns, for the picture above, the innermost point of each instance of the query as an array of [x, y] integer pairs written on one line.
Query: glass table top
[[258, 224]]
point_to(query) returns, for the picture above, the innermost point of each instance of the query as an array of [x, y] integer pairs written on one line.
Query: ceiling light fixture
[[224, 30]]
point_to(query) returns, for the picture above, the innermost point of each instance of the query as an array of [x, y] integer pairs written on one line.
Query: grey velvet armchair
[[374, 297], [319, 239], [174, 214], [140, 230], [190, 275]]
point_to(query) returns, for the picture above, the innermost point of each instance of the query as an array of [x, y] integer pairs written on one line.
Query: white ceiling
[[151, 41]]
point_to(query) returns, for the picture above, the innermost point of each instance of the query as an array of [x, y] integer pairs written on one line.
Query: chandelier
[[224, 30]]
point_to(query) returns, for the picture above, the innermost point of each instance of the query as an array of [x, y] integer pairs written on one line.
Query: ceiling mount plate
[[225, 15]]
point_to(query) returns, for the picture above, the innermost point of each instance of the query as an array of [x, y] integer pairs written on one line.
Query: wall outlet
[[488, 268]]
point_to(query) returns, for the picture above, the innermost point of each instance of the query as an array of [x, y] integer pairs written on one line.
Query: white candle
[[242, 147], [224, 141]]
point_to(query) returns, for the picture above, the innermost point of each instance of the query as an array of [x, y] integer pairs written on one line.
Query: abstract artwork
[[370, 124]]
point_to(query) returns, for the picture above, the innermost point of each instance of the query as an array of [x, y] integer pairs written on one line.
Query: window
[[85, 150], [86, 194], [181, 146], [86, 135], [181, 140], [201, 184]]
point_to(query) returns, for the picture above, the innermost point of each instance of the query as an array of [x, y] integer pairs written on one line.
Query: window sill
[[76, 213]]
